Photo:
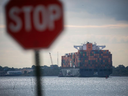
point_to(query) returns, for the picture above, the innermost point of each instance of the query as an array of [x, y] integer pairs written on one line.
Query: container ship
[[90, 61]]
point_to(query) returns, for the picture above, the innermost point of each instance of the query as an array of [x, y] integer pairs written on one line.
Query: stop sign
[[34, 24]]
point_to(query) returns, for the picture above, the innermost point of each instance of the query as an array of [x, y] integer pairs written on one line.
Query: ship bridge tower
[[89, 46]]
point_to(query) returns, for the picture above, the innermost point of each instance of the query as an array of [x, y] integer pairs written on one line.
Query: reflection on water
[[64, 86]]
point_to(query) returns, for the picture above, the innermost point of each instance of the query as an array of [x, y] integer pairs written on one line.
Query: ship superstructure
[[89, 46]]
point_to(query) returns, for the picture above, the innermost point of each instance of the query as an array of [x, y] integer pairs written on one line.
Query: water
[[65, 86]]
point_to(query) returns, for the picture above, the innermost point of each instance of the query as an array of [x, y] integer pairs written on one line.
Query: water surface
[[65, 86]]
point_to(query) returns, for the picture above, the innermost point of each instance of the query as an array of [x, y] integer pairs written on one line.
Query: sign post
[[38, 73], [34, 25]]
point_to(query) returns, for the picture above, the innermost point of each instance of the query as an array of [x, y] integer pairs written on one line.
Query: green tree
[[1, 68]]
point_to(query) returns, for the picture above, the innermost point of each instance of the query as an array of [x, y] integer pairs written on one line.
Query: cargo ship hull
[[77, 72], [95, 72]]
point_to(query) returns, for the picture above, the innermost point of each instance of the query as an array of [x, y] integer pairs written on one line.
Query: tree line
[[54, 70]]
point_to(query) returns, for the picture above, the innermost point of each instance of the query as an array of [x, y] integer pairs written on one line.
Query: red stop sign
[[34, 24]]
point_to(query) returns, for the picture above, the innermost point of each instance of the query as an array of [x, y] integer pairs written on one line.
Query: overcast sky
[[102, 21]]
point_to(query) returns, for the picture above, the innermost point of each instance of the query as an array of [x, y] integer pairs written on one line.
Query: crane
[[51, 59]]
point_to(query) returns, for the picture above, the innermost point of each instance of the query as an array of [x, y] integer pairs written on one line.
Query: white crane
[[51, 59]]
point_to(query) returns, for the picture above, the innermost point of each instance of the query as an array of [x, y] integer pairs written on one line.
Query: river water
[[65, 86]]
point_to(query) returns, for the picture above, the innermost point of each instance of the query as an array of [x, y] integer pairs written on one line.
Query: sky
[[102, 21]]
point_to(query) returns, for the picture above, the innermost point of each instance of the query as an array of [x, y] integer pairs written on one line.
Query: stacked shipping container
[[88, 59], [70, 60]]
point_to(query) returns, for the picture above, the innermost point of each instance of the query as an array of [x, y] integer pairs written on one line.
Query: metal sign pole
[[38, 74]]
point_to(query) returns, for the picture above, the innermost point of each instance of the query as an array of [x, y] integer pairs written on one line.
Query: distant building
[[14, 73]]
